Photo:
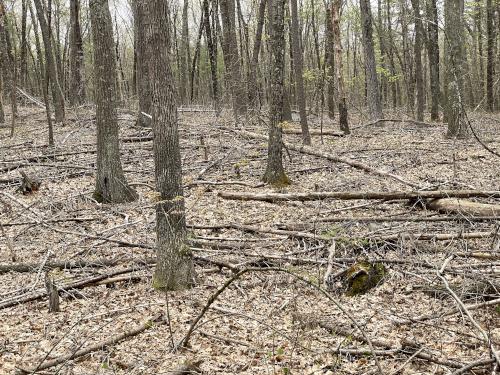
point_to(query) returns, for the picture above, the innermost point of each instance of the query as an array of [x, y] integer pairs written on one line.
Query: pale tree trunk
[[433, 55], [174, 268], [7, 64], [373, 93], [143, 86], [330, 63], [111, 185], [57, 94], [231, 58], [299, 80], [24, 46], [490, 48], [455, 64], [275, 173], [76, 85], [2, 112], [344, 124], [419, 74]]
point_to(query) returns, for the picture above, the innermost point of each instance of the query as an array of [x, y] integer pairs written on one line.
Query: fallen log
[[308, 150], [155, 320], [333, 133], [351, 195], [30, 267], [460, 206]]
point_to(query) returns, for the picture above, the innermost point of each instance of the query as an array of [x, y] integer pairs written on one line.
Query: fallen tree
[[453, 205]]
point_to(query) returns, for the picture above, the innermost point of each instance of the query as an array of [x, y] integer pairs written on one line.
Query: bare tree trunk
[[77, 85], [184, 55], [455, 64], [419, 74], [373, 94], [275, 173], [144, 93], [299, 80], [111, 186], [57, 94], [24, 46], [330, 63], [2, 112], [490, 63], [433, 54], [212, 56], [174, 268], [6, 61], [253, 85], [231, 58], [344, 125]]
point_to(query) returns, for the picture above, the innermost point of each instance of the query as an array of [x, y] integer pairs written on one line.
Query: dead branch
[[466, 207], [155, 320], [350, 195]]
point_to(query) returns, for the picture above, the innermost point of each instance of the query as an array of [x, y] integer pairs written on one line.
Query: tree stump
[[53, 293], [363, 276], [29, 184]]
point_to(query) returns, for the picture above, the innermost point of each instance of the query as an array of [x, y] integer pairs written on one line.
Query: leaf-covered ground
[[266, 322]]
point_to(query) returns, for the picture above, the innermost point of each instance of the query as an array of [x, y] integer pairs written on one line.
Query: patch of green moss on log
[[363, 276]]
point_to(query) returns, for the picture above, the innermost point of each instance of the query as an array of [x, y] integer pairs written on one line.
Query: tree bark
[[330, 63], [344, 125], [184, 55], [419, 74], [24, 46], [275, 173], [455, 67], [490, 63], [111, 185], [77, 85], [253, 85], [373, 92], [433, 55], [212, 56], [298, 66], [174, 269], [7, 64]]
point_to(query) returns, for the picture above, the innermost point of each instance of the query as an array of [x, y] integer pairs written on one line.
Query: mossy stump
[[363, 276]]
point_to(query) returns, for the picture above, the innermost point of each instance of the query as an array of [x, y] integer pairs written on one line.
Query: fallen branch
[[350, 195], [464, 207], [30, 267], [333, 133], [158, 320]]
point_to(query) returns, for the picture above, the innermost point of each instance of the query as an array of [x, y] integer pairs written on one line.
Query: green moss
[[98, 196], [276, 180], [363, 276]]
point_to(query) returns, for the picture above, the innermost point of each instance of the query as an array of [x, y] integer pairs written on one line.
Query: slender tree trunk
[[212, 56], [231, 58], [174, 268], [299, 80], [77, 85], [6, 61], [57, 94], [24, 46], [455, 67], [344, 125], [419, 74], [330, 63], [144, 93], [373, 94], [275, 173], [111, 185], [184, 55], [433, 55], [2, 112], [253, 85], [490, 63]]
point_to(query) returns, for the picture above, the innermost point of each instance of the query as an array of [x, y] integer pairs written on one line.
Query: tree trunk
[[253, 85], [212, 56], [330, 63], [111, 186], [433, 54], [24, 46], [232, 59], [143, 80], [419, 74], [299, 80], [490, 64], [455, 64], [275, 173], [7, 64], [2, 112], [77, 86], [184, 56], [373, 93], [344, 125], [57, 94], [174, 269]]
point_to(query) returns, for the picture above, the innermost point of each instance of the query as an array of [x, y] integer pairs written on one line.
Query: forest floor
[[265, 322]]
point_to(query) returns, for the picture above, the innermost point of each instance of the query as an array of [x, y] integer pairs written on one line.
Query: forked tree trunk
[[174, 268], [299, 80], [142, 73], [344, 124], [57, 94], [111, 186], [275, 173], [77, 85]]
